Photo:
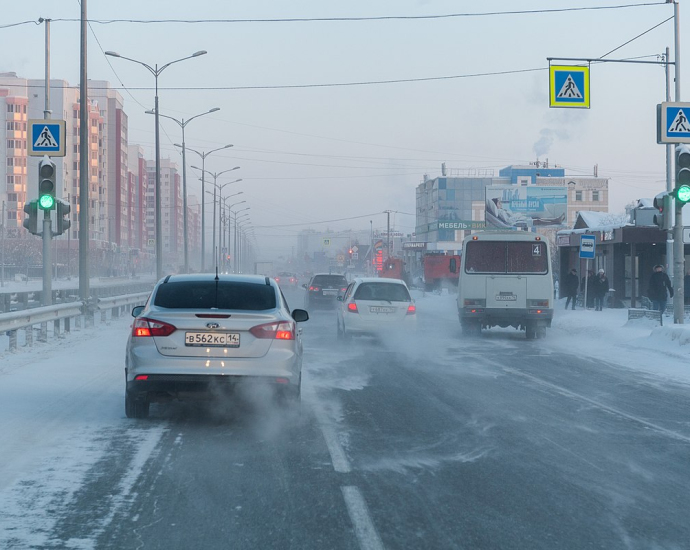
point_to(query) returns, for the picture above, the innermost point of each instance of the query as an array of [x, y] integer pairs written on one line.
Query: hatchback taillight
[[284, 330], [314, 288], [144, 328], [411, 309], [352, 307]]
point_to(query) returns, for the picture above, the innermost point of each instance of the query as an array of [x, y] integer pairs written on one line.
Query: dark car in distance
[[323, 290]]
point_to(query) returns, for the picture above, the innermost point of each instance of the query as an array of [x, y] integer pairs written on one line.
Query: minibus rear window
[[506, 257]]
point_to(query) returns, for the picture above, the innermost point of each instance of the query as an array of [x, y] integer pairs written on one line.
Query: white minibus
[[505, 281]]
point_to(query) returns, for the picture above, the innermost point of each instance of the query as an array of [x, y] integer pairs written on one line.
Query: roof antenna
[[217, 273]]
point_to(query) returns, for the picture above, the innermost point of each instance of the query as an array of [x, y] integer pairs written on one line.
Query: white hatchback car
[[372, 305], [201, 335]]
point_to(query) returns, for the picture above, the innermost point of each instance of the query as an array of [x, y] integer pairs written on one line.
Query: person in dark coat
[[570, 287], [659, 285], [600, 286]]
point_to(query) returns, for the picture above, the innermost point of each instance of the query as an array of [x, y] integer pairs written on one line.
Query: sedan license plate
[[329, 292], [212, 339], [381, 309]]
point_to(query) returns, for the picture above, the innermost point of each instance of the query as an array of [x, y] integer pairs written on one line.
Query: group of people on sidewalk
[[597, 286]]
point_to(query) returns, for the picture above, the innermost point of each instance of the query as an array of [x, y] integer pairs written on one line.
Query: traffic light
[[31, 223], [62, 210], [663, 203], [682, 190], [46, 184]]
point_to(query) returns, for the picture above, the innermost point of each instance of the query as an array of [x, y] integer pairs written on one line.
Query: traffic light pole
[[47, 295], [678, 245], [47, 261]]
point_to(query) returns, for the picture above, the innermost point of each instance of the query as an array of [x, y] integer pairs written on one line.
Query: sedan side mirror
[[137, 311], [340, 298], [300, 315], [304, 286]]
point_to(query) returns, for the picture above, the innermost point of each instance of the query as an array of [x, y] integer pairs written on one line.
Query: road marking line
[[366, 533], [656, 427], [338, 458]]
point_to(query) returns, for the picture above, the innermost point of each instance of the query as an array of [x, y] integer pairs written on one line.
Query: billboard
[[526, 206]]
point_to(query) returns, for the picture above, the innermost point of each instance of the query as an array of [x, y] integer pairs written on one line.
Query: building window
[[595, 196], [578, 195]]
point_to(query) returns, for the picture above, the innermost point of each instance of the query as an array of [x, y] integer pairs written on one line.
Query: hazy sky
[[325, 153]]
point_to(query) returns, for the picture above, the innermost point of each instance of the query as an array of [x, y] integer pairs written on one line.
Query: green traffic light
[[46, 202], [683, 193]]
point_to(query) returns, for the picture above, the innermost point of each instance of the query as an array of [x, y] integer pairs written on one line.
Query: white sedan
[[373, 305]]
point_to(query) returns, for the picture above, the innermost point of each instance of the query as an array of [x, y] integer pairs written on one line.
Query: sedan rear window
[[382, 291], [221, 295], [332, 281]]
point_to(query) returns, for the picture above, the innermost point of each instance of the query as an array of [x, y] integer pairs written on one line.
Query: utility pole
[[2, 228], [669, 168], [678, 245], [47, 294], [83, 168], [388, 234]]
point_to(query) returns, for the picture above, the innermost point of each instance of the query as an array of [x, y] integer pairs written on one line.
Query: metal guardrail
[[116, 303], [27, 319], [640, 313]]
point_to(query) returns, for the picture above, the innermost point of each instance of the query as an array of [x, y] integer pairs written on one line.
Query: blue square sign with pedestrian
[[46, 137]]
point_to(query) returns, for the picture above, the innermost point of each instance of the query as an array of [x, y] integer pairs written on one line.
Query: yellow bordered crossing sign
[[569, 86]]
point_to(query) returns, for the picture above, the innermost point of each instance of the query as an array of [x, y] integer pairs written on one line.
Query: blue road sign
[[46, 137], [569, 86], [673, 122], [587, 246]]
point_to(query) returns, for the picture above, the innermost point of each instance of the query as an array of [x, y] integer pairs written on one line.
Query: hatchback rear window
[[382, 291], [208, 294], [333, 281]]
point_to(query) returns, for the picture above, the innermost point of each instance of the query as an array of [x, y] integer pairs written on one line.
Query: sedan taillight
[[411, 309], [144, 328], [314, 288], [352, 307], [284, 330]]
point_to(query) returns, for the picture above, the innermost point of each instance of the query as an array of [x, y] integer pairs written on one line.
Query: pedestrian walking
[[570, 287], [600, 286], [659, 289]]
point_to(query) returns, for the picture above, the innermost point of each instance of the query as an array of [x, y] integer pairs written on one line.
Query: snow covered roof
[[597, 221]]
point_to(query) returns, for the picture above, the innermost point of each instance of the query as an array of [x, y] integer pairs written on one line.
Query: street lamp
[[242, 234], [224, 222], [216, 175], [203, 156], [155, 71], [220, 217], [235, 212], [182, 124]]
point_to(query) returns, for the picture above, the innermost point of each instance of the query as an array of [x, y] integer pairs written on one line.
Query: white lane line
[[359, 514], [539, 381], [340, 462]]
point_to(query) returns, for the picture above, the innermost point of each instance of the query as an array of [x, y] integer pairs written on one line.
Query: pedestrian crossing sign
[[46, 137], [673, 124], [569, 86]]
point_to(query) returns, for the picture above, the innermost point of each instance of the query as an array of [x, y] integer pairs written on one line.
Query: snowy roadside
[[607, 335]]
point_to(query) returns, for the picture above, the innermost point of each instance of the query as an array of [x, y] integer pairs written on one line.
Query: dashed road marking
[[366, 533]]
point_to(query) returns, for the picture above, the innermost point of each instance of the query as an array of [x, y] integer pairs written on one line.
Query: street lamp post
[[224, 215], [240, 246], [235, 212], [155, 71], [182, 124], [216, 175], [203, 156], [220, 198]]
